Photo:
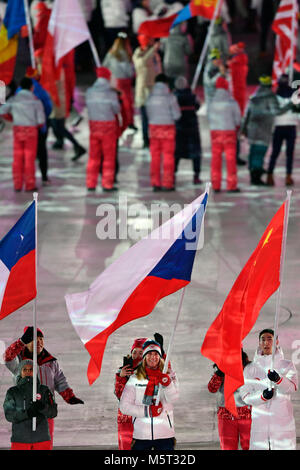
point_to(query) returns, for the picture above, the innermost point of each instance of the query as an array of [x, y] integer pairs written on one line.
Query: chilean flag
[[17, 264], [129, 288]]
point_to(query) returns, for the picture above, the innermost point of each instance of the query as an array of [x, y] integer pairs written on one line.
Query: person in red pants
[[162, 111], [130, 363], [232, 430], [238, 67], [224, 118], [103, 106], [27, 114]]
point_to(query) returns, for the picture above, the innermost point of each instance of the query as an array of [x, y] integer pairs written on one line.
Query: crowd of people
[[149, 77], [147, 391]]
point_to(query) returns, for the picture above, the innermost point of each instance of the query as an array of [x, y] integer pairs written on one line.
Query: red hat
[[138, 343], [222, 83], [238, 47], [39, 332], [103, 72], [143, 40], [31, 72]]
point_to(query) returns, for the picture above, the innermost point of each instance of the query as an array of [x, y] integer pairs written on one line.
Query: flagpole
[[31, 48], [205, 46], [282, 258], [171, 343], [94, 52], [34, 388]]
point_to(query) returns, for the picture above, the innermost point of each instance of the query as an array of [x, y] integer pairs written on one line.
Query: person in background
[[147, 64], [257, 126], [103, 108], [163, 111], [267, 388], [27, 114], [49, 371], [188, 142], [224, 119], [19, 409], [285, 130], [119, 61], [130, 364], [232, 429]]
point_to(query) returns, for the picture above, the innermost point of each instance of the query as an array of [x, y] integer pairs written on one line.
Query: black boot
[[255, 177]]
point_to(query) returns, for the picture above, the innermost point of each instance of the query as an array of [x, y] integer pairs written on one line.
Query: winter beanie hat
[[24, 363], [151, 345], [103, 72], [138, 343], [39, 332], [222, 83]]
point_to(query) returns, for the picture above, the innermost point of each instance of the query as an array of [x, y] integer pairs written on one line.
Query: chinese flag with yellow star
[[258, 280]]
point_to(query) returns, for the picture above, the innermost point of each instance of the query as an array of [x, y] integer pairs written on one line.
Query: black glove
[[273, 375], [34, 408], [75, 401], [160, 340], [28, 335], [218, 372], [268, 394]]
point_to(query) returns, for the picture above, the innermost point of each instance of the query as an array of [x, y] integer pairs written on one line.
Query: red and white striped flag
[[285, 25]]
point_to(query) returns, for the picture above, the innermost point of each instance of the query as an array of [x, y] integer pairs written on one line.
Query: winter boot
[[255, 177], [289, 180], [270, 180]]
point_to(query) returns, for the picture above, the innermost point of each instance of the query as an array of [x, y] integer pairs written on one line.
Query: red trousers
[[223, 141], [24, 156], [102, 153], [46, 445], [162, 144], [125, 432], [233, 431], [124, 85]]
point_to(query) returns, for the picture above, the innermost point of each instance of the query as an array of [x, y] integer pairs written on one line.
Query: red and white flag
[[67, 29], [285, 25]]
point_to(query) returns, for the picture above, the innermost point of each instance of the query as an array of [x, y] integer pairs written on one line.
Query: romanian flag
[[129, 288], [13, 21], [258, 280], [17, 264]]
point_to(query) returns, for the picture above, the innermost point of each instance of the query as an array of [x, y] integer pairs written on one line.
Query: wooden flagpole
[[205, 46], [35, 372], [282, 259]]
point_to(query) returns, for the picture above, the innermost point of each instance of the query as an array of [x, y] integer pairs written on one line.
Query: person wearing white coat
[[153, 424], [269, 393]]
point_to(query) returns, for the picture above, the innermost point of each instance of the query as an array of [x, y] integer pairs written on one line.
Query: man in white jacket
[[153, 424], [268, 391]]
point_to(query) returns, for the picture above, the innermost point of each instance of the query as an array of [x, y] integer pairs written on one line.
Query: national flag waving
[[67, 29], [258, 280], [160, 27], [129, 288], [13, 21], [17, 264], [285, 25]]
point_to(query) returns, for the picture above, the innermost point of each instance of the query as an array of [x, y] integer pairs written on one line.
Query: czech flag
[[129, 288], [17, 264], [258, 280], [13, 21]]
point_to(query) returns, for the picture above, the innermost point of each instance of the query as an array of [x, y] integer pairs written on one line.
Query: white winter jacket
[[25, 108], [102, 101], [162, 106], [145, 428], [273, 425], [115, 13]]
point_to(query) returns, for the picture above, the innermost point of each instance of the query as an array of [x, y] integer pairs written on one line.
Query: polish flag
[[67, 29], [129, 288], [17, 264]]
